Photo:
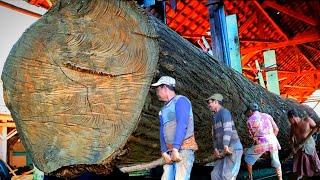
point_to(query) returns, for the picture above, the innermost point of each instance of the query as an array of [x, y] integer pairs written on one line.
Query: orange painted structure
[[291, 28]]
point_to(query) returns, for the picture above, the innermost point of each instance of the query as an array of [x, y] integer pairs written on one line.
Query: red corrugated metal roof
[[268, 22]]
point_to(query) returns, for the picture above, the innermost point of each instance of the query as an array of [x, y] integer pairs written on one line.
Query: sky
[[314, 101], [13, 24]]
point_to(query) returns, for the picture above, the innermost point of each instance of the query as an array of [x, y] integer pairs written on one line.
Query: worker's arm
[[274, 126], [214, 142], [293, 141], [227, 129], [213, 133], [250, 130], [183, 107], [163, 146], [313, 124]]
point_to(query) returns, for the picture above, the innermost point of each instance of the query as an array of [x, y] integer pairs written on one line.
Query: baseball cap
[[216, 96], [165, 80], [253, 107]]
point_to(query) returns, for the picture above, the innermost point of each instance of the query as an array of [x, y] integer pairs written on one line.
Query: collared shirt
[[224, 131], [260, 126]]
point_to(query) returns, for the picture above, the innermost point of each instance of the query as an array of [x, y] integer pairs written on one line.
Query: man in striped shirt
[[225, 139]]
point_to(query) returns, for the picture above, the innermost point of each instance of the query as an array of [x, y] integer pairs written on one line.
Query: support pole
[[3, 142], [233, 43], [260, 76], [218, 31], [270, 62]]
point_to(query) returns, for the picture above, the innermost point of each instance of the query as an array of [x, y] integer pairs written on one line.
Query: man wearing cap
[[176, 131], [263, 130], [226, 140]]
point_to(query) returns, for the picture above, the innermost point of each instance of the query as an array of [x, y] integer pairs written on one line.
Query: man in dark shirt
[[225, 139]]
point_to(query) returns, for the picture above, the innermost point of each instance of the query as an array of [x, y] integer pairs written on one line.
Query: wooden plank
[[216, 30], [261, 80], [6, 117], [7, 124], [271, 76], [233, 42]]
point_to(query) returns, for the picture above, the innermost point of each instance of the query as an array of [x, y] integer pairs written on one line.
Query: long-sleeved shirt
[[261, 129], [224, 131], [181, 125]]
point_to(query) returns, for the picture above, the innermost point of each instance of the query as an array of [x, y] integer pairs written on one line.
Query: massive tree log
[[77, 85]]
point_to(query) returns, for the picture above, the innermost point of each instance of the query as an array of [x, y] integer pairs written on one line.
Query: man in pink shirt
[[263, 130]]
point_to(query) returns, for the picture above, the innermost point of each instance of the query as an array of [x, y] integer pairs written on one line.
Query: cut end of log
[[76, 82]]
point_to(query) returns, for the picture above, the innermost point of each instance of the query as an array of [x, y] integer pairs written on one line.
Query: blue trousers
[[179, 170]]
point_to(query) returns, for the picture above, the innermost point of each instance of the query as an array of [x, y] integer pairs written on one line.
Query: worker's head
[[215, 102], [165, 88], [251, 108], [293, 116]]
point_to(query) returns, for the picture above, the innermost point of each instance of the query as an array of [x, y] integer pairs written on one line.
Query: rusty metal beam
[[245, 25], [289, 12], [302, 96], [278, 29], [311, 48], [293, 73], [19, 9], [246, 58], [266, 15], [42, 3], [245, 40], [305, 58], [273, 45], [299, 87], [293, 96], [195, 36], [297, 73]]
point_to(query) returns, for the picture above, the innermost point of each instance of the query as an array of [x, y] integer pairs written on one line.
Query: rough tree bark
[[78, 80]]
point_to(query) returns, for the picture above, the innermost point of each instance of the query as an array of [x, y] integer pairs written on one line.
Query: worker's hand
[[175, 156], [227, 150], [216, 154], [318, 124], [167, 158], [294, 151]]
